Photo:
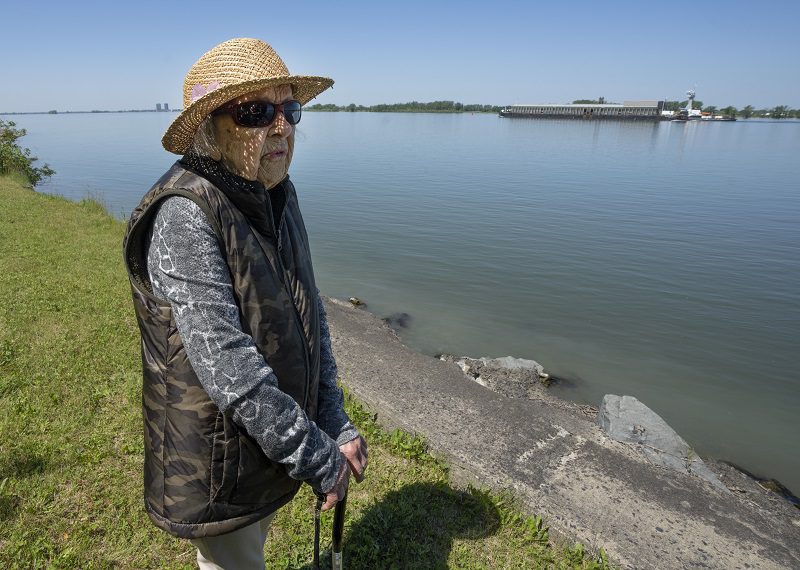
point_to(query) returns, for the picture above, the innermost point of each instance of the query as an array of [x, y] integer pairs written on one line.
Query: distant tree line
[[779, 112], [410, 107], [600, 101]]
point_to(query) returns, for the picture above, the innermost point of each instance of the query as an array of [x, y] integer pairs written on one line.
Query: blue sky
[[126, 55]]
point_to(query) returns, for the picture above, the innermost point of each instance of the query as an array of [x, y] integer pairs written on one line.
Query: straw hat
[[228, 71]]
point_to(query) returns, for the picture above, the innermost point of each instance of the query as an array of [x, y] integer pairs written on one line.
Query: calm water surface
[[656, 260]]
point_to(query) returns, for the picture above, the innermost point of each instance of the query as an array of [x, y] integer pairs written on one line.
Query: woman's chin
[[270, 173]]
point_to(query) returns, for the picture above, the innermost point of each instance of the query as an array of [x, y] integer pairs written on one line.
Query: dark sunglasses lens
[[292, 110], [255, 114]]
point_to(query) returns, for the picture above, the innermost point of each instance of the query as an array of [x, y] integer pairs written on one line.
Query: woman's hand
[[356, 453], [339, 489]]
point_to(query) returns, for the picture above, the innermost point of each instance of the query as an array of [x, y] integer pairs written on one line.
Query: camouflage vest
[[203, 474]]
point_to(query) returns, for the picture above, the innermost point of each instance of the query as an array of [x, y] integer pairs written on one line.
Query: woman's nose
[[280, 127]]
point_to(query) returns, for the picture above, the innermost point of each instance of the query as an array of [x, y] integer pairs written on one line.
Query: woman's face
[[262, 154]]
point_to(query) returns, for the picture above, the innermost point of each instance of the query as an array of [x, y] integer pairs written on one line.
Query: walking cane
[[338, 530]]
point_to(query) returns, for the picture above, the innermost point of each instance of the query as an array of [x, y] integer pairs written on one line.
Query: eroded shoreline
[[521, 378], [561, 464]]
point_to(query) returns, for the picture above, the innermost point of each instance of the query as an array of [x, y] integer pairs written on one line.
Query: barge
[[629, 110]]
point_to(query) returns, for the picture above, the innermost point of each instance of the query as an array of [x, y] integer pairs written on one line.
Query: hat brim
[[179, 135]]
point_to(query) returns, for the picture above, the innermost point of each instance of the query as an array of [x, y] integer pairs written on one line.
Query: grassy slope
[[71, 443]]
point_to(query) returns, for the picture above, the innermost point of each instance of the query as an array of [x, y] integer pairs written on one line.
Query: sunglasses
[[259, 114]]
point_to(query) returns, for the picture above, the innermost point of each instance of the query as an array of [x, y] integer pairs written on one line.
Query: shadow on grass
[[17, 463], [22, 462], [414, 527], [8, 507]]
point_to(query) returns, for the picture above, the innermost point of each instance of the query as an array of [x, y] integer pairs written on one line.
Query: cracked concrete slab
[[561, 465]]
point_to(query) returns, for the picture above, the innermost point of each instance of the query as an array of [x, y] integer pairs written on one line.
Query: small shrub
[[16, 159]]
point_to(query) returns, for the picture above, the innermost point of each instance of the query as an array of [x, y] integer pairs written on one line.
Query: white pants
[[241, 549]]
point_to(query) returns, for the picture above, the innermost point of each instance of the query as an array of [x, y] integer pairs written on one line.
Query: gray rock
[[626, 419], [512, 377], [397, 321], [518, 378], [511, 363]]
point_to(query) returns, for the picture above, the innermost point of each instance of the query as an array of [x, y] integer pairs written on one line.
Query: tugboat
[[686, 114]]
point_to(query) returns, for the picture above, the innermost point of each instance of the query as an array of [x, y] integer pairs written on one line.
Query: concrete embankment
[[554, 457]]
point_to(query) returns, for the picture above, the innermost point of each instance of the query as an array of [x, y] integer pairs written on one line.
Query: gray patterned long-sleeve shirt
[[187, 270]]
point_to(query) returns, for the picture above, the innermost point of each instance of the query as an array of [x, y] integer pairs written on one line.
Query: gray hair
[[204, 142]]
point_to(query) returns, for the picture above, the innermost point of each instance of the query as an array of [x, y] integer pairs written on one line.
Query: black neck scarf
[[262, 208]]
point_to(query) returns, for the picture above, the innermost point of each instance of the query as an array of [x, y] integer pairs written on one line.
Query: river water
[[659, 260]]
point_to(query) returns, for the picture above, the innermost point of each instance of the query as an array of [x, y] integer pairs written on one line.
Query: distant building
[[158, 106], [641, 110], [166, 106]]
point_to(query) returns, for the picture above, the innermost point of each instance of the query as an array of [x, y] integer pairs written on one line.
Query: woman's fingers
[[357, 456], [339, 490]]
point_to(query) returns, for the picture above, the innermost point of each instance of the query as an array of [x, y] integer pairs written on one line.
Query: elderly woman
[[239, 394]]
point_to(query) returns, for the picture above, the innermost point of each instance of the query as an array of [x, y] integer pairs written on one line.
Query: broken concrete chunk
[[626, 419], [511, 363]]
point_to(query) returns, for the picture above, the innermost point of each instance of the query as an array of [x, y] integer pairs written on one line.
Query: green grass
[[71, 432]]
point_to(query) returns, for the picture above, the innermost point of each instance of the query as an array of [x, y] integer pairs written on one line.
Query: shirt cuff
[[348, 433]]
